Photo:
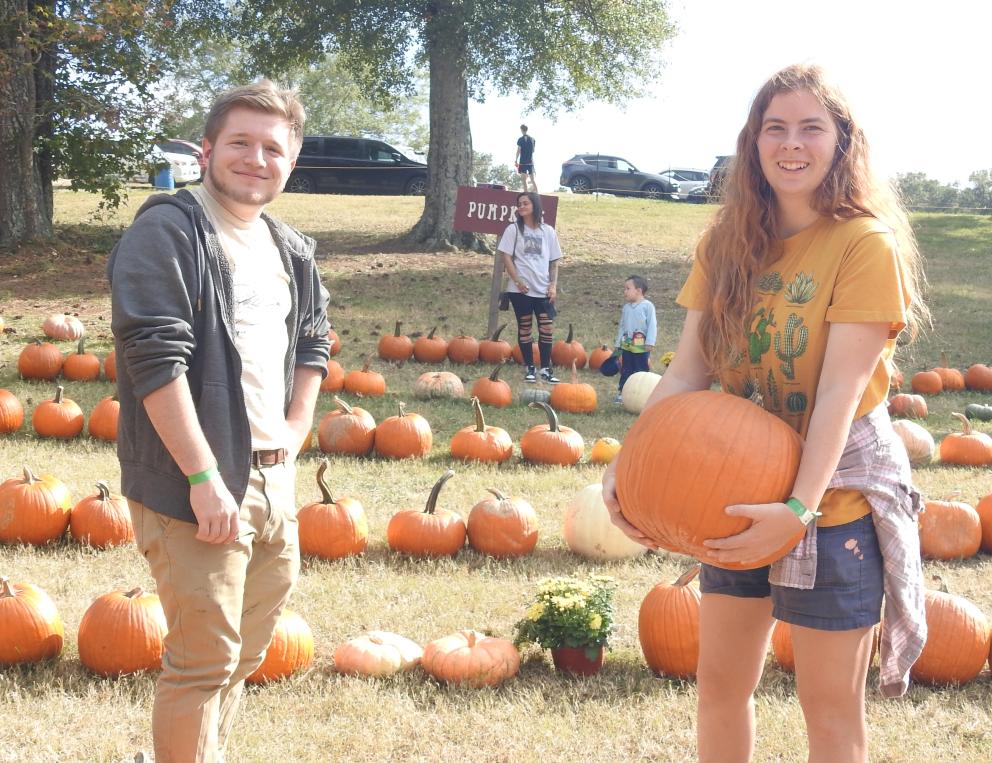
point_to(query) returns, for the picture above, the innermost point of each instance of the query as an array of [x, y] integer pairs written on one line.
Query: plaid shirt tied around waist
[[874, 463]]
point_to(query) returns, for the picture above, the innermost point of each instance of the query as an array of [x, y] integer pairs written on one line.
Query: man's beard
[[239, 195]]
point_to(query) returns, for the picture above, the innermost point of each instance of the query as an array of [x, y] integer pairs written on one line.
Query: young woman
[[530, 252], [797, 293]]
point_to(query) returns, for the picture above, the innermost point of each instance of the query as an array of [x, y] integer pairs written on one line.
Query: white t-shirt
[[261, 305], [533, 250]]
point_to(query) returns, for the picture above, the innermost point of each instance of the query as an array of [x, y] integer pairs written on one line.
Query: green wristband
[[206, 474], [800, 510]]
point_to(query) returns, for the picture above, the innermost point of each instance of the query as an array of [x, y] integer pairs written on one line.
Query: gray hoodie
[[173, 314]]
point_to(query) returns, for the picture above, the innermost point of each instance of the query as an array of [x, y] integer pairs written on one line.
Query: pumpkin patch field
[[405, 558]]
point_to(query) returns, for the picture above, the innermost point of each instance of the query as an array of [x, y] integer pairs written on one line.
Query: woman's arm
[[553, 278], [511, 271], [853, 350]]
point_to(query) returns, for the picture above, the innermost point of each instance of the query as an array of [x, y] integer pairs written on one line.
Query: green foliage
[[569, 611], [485, 171], [921, 192]]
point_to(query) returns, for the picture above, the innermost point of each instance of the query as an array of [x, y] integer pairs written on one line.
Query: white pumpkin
[[377, 653], [589, 532], [637, 389], [918, 441]]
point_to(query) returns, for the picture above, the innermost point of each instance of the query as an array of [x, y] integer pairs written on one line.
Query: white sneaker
[[548, 376], [531, 375]]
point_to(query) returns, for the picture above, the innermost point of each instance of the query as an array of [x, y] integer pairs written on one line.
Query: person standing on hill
[[525, 159], [220, 328]]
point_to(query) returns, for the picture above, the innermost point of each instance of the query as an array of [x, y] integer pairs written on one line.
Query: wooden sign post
[[489, 210]]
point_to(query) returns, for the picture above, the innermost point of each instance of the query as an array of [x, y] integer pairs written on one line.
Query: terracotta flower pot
[[577, 661]]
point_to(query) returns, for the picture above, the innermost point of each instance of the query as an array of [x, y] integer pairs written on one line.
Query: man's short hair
[[523, 127], [639, 283], [261, 96]]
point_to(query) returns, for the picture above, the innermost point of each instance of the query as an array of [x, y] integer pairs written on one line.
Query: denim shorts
[[848, 589]]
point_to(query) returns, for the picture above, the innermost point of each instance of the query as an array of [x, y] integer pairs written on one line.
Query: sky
[[917, 75]]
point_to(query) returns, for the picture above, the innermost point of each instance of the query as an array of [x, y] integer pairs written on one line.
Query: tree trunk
[[25, 206], [449, 159]]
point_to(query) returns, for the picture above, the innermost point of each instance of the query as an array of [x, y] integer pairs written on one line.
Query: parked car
[[355, 165], [717, 175], [188, 147], [689, 180], [584, 173], [185, 168]]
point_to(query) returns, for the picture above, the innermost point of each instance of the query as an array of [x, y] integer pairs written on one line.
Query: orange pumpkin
[[957, 645], [430, 348], [59, 417], [551, 443], [32, 629], [332, 528], [101, 520], [668, 627], [63, 326], [984, 510], [927, 383], [395, 347], [574, 397], [33, 509], [103, 419], [463, 349], [492, 390], [110, 366], [431, 532], [683, 463], [122, 633], [335, 341], [502, 527], [471, 658], [365, 382], [405, 435], [604, 450], [377, 653], [949, 530], [978, 378], [494, 349], [565, 353], [334, 381], [81, 365], [951, 379], [598, 356], [967, 448], [439, 384], [481, 442], [348, 429], [39, 360], [517, 354], [911, 406], [11, 412], [291, 649]]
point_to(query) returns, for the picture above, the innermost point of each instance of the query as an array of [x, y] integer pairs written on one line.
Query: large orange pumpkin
[[502, 527], [33, 509], [39, 360], [365, 382], [978, 378], [957, 644], [81, 365], [103, 419], [101, 520], [11, 412], [968, 447], [291, 649], [927, 383], [494, 349], [32, 629], [395, 347], [668, 627], [492, 390], [911, 406], [463, 349], [349, 430], [122, 633], [481, 442], [984, 509], [59, 417], [574, 397], [952, 380], [568, 351], [405, 435], [431, 532], [551, 443], [949, 530], [690, 456], [332, 528], [471, 658], [430, 348], [334, 381], [63, 326]]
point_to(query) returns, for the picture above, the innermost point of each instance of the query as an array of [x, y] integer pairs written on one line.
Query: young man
[[221, 337], [525, 159]]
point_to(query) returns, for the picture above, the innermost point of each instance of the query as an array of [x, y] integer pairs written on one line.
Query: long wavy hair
[[535, 202], [739, 243]]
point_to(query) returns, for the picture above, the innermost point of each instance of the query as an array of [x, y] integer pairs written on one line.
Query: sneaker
[[618, 399], [531, 375], [549, 377]]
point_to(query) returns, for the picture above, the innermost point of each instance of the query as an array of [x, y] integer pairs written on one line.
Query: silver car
[[689, 180]]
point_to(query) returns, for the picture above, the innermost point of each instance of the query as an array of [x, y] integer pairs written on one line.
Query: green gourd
[[978, 411]]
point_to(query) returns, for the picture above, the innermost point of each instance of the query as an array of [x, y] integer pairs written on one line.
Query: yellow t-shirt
[[834, 271]]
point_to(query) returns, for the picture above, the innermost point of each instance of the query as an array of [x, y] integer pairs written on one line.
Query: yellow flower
[[535, 611], [668, 357], [595, 622]]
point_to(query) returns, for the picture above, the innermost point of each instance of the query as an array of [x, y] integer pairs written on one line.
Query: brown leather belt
[[261, 458]]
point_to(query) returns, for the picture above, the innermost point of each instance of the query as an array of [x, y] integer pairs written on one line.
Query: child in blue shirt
[[638, 330]]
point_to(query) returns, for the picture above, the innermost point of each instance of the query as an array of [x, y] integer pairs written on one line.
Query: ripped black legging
[[525, 307]]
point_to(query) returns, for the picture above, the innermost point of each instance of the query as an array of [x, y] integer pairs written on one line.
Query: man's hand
[[215, 510]]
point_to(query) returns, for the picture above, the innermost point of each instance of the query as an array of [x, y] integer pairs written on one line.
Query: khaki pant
[[221, 602]]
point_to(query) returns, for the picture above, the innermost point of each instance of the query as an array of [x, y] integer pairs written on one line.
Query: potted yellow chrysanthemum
[[573, 617]]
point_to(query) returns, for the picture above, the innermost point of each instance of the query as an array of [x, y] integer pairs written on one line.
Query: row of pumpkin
[[943, 378]]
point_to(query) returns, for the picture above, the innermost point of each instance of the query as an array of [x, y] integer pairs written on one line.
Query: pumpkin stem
[[686, 577], [104, 491], [965, 423], [342, 405], [550, 413], [367, 365], [135, 593], [941, 585], [568, 339], [325, 492], [943, 360], [402, 409], [497, 332], [470, 639], [81, 347], [436, 491], [59, 394], [499, 496], [29, 478], [396, 331], [480, 421], [494, 376], [430, 334], [5, 589], [575, 373]]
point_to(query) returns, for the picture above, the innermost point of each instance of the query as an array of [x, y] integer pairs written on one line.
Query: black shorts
[[525, 168]]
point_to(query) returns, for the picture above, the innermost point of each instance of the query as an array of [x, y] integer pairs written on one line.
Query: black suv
[[584, 173], [355, 165]]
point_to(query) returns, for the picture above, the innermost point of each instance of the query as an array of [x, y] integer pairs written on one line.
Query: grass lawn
[[58, 711]]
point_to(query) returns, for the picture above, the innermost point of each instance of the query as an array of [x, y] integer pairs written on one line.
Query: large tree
[[559, 53]]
